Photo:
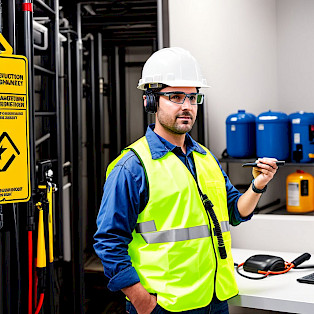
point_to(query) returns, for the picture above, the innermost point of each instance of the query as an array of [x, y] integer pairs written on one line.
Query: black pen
[[254, 164]]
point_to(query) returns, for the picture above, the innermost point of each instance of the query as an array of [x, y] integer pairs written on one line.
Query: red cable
[[288, 267], [35, 283], [30, 272], [40, 303]]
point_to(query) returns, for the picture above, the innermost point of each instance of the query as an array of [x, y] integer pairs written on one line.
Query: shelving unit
[[282, 211], [276, 208], [231, 160]]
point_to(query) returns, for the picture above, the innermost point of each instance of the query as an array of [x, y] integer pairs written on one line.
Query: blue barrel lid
[[240, 117], [272, 117], [301, 117]]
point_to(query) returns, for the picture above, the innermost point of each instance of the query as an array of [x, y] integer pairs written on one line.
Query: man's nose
[[187, 104]]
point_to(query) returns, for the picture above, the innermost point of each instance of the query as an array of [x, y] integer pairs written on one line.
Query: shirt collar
[[159, 147]]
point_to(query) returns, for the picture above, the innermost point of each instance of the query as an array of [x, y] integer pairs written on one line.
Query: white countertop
[[276, 292]]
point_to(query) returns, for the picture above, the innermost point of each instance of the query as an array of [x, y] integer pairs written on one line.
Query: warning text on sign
[[9, 101], [11, 79], [8, 191], [10, 115]]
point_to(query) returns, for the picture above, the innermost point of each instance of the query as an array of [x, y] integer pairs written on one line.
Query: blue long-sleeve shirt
[[126, 195]]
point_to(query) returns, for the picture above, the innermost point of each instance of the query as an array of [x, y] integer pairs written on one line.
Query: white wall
[[235, 43], [295, 33], [281, 233], [257, 55], [295, 37]]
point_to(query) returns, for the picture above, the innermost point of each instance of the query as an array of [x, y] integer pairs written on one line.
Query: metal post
[[122, 97], [18, 261], [160, 25], [112, 104], [7, 271], [100, 164], [11, 24], [25, 47], [29, 53], [118, 100], [66, 254], [78, 274], [56, 62], [91, 148], [68, 215]]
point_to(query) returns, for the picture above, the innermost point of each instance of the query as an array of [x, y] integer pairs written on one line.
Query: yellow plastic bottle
[[300, 192]]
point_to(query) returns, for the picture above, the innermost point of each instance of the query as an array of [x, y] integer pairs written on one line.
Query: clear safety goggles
[[179, 97]]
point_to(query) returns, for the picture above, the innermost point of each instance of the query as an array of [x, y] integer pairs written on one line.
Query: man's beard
[[177, 128]]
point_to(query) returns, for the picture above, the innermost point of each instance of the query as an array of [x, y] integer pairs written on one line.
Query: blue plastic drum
[[302, 136], [273, 135], [240, 129]]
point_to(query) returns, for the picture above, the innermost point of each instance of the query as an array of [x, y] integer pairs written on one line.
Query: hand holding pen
[[279, 163], [264, 170]]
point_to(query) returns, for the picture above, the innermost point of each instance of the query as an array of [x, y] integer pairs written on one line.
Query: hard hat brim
[[182, 83]]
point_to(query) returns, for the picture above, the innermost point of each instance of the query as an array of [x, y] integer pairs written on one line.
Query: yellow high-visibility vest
[[174, 248]]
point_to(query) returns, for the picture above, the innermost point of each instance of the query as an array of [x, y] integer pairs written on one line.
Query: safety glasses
[[179, 97]]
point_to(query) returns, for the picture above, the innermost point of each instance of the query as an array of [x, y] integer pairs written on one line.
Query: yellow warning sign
[[14, 129]]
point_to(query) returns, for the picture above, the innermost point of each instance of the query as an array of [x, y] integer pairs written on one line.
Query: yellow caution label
[[14, 129], [41, 245]]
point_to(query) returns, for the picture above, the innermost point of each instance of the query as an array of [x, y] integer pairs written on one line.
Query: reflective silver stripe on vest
[[175, 235], [225, 226], [147, 226]]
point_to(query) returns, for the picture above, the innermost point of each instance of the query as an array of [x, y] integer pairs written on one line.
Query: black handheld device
[[279, 163], [272, 265], [261, 262]]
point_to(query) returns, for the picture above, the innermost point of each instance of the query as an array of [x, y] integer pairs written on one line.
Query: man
[[163, 226]]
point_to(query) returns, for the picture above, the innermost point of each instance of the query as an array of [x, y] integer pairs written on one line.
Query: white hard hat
[[174, 67]]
